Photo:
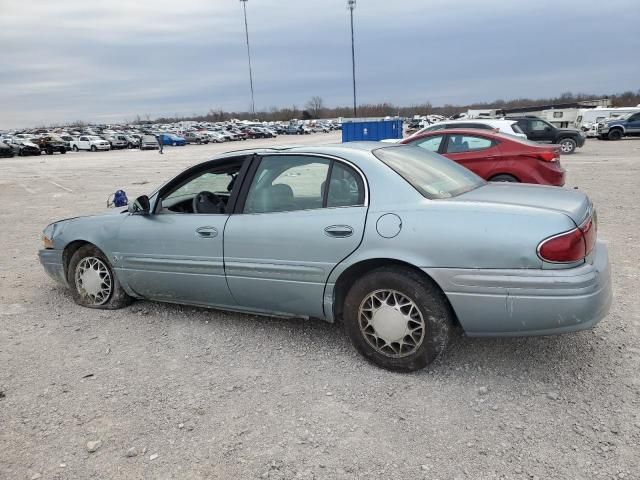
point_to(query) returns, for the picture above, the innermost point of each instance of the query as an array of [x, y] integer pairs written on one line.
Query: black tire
[[504, 177], [75, 148], [615, 134], [426, 297], [567, 145], [49, 151], [63, 150], [20, 153], [94, 148], [117, 298]]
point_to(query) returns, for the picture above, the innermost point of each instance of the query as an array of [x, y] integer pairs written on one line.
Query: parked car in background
[[505, 126], [625, 126], [116, 141], [398, 243], [196, 137], [149, 142], [495, 156], [215, 137], [541, 131], [90, 142], [171, 139], [67, 139], [23, 147], [133, 141], [6, 151], [50, 144]]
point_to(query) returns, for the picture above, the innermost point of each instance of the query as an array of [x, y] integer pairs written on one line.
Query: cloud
[[113, 59]]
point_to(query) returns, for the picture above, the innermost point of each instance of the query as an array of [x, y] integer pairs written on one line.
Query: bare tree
[[315, 106]]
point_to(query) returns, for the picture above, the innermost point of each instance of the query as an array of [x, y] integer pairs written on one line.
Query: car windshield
[[625, 116], [434, 176]]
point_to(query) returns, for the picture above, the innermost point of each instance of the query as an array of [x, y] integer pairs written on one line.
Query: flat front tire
[[93, 282], [397, 319]]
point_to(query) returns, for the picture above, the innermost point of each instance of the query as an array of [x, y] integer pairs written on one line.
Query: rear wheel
[[568, 145], [93, 283], [75, 148], [615, 134], [397, 319], [504, 178]]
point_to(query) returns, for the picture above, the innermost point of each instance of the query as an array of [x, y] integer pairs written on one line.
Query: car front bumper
[[529, 302], [51, 261]]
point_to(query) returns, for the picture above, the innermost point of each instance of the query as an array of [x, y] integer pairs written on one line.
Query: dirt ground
[[171, 392]]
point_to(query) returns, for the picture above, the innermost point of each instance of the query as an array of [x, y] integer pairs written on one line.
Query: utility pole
[[351, 4], [246, 31]]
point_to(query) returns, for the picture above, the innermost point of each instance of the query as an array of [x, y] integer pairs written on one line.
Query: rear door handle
[[338, 231], [207, 232]]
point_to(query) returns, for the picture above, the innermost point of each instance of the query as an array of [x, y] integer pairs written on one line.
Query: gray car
[[398, 243]]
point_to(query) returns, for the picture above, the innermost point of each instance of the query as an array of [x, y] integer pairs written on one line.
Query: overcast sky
[[108, 60]]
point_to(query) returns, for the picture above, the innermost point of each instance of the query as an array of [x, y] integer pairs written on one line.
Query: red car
[[496, 156]]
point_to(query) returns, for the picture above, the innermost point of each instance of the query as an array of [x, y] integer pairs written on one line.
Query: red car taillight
[[551, 156], [570, 246]]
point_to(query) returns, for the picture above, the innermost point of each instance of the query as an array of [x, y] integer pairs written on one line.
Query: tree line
[[315, 108]]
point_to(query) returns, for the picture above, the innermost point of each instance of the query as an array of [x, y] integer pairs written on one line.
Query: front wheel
[[397, 319], [94, 148], [615, 134], [93, 283], [568, 146]]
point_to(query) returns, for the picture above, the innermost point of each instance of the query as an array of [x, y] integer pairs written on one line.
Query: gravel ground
[[161, 391]]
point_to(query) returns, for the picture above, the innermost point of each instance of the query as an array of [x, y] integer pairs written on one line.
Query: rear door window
[[431, 144], [467, 143]]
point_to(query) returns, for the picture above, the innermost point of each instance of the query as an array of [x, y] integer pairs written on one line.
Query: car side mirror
[[547, 129], [140, 206]]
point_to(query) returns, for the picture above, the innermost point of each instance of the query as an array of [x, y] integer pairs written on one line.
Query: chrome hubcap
[[391, 323], [93, 280]]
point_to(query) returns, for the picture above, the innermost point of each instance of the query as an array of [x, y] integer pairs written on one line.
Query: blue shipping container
[[371, 130]]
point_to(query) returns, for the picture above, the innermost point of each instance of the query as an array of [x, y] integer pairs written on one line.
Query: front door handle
[[207, 232], [338, 231]]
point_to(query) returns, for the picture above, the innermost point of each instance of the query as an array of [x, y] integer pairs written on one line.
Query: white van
[[588, 118]]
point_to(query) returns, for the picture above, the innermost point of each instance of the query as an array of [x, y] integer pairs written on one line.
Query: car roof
[[466, 131]]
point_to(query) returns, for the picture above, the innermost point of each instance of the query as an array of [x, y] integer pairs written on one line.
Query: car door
[[83, 143], [478, 153], [300, 216], [633, 125], [174, 254], [540, 131]]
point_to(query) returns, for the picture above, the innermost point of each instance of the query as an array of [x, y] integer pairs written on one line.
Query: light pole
[[246, 31], [351, 4]]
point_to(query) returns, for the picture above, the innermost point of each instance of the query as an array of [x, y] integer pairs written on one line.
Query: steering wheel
[[207, 202]]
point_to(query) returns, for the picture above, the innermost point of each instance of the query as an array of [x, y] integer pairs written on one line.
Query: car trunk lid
[[572, 203]]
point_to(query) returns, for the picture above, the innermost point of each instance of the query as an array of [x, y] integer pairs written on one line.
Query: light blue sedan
[[399, 244]]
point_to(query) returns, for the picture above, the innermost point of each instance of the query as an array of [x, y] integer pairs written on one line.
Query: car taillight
[[570, 246], [551, 156]]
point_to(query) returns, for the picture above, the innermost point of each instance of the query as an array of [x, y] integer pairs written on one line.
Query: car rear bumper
[[529, 302], [51, 261]]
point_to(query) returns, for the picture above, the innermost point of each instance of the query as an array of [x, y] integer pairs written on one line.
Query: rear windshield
[[434, 176]]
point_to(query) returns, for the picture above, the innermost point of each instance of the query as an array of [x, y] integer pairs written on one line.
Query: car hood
[[572, 203]]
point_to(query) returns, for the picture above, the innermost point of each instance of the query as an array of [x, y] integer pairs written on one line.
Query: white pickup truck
[[90, 142]]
